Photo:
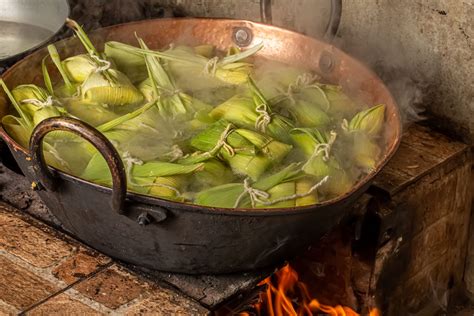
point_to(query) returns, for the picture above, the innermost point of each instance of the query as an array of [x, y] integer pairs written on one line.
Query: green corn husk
[[252, 166], [233, 50], [308, 139], [309, 114], [162, 179], [205, 50], [201, 121], [92, 113], [163, 188], [68, 152], [303, 186], [240, 110], [142, 145], [274, 78], [107, 86], [18, 129], [191, 104], [206, 140], [97, 171], [339, 182], [78, 68], [287, 189], [47, 78], [185, 63], [252, 154], [148, 90], [340, 103], [131, 64], [213, 173], [53, 53], [272, 149], [29, 92], [173, 103], [170, 101], [45, 113], [227, 195], [369, 121], [365, 151], [115, 91]]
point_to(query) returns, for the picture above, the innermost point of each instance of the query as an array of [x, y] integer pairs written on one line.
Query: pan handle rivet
[[143, 219], [242, 36], [326, 62]]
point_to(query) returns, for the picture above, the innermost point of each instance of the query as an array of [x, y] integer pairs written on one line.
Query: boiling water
[[19, 37]]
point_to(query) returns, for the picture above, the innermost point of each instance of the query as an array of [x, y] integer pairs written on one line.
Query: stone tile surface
[[31, 244], [80, 265], [37, 264], [114, 287], [20, 287], [165, 302], [6, 309], [63, 304]]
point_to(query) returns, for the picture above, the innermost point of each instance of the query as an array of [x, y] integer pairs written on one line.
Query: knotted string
[[129, 163], [222, 142], [322, 148], [255, 195], [211, 66], [306, 81], [260, 196], [40, 104], [345, 126], [297, 196], [263, 119], [102, 64], [166, 93], [175, 154]]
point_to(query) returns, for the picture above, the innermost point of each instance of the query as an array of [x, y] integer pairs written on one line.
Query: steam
[[387, 58], [93, 14]]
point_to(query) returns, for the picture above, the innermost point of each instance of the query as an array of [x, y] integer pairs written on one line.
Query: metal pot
[[179, 237], [27, 25]]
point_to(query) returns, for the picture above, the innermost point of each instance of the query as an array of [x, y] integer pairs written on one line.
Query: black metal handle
[[331, 28], [89, 133]]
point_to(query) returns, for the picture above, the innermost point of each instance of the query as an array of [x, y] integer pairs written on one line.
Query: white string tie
[[222, 142], [211, 66], [40, 104], [102, 64], [297, 196], [263, 119], [255, 195]]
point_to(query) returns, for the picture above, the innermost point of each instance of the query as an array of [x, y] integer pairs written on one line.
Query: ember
[[285, 294]]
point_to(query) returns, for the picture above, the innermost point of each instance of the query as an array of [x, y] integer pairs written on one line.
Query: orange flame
[[291, 297]]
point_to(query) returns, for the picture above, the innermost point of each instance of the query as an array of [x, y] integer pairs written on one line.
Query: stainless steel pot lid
[[27, 24]]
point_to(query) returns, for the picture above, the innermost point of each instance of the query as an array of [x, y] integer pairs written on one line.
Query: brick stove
[[403, 249]]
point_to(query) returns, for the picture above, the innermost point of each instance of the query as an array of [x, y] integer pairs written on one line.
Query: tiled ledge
[[45, 272]]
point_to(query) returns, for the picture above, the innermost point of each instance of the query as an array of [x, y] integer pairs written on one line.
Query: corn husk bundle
[[285, 188], [247, 152], [104, 84], [254, 113], [188, 66], [192, 125], [173, 102], [320, 162], [163, 179], [364, 129], [313, 104]]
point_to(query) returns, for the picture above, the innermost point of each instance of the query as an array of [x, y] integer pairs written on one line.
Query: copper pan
[[180, 237]]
